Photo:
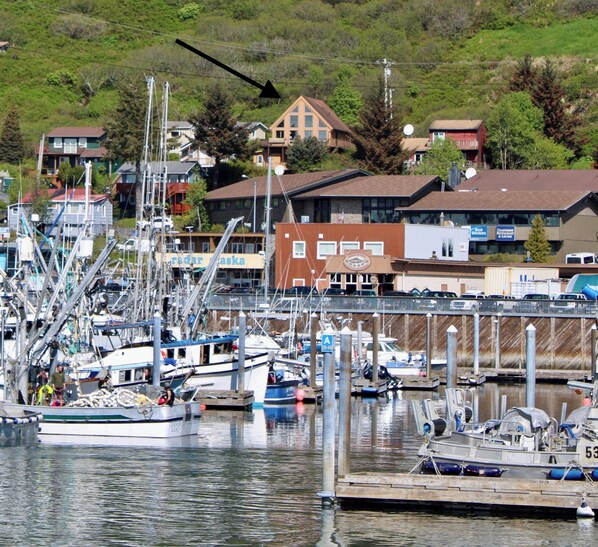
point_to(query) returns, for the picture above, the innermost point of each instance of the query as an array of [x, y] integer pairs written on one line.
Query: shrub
[[189, 11]]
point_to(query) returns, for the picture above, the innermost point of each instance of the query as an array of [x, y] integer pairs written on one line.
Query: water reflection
[[252, 478]]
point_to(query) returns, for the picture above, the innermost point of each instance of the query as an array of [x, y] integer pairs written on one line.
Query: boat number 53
[[592, 451]]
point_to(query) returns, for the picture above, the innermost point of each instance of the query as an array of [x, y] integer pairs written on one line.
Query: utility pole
[[387, 90]]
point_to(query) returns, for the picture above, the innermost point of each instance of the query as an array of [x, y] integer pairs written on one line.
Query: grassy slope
[[316, 39]]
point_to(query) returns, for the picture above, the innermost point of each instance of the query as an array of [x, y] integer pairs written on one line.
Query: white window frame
[[299, 249], [375, 247], [324, 249], [438, 136], [83, 142], [57, 142], [349, 246]]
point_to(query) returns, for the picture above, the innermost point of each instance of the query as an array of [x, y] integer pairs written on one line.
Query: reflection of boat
[[122, 413], [18, 426], [525, 443]]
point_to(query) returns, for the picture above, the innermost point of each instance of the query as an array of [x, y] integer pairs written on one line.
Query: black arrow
[[268, 90]]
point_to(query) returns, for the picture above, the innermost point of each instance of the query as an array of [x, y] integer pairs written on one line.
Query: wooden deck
[[475, 493]]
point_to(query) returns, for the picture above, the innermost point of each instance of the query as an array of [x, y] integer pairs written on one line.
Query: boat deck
[[494, 494]]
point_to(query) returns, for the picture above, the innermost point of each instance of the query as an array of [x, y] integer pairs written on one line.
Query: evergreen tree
[[378, 137], [439, 159], [537, 243], [305, 154], [195, 198], [12, 145], [216, 132], [126, 133], [524, 77], [549, 95], [345, 101]]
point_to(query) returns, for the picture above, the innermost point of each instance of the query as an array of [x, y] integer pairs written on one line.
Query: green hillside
[[451, 58]]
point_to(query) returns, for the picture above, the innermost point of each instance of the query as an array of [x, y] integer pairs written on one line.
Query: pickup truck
[[566, 301]]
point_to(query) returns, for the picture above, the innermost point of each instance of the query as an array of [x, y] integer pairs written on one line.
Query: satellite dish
[[279, 170], [471, 172], [408, 129]]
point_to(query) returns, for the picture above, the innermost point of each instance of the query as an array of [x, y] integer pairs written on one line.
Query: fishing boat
[[284, 385], [209, 362], [117, 413], [18, 426], [525, 443]]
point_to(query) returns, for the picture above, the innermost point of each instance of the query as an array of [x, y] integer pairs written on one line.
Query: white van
[[580, 258]]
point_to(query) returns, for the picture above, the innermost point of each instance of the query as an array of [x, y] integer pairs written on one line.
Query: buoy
[[300, 395], [587, 401], [202, 407], [584, 510]]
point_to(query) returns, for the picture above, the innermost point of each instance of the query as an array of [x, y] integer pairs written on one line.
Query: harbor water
[[251, 479]]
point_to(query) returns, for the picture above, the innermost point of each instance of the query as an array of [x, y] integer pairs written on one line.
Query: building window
[[298, 249], [323, 135], [58, 142], [296, 109], [379, 210], [309, 121], [260, 160], [322, 210], [349, 246], [308, 133], [438, 136], [294, 121], [326, 248], [205, 247], [280, 134], [307, 109], [83, 142], [293, 134], [376, 247], [236, 248]]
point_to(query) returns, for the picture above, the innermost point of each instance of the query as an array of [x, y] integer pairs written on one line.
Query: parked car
[[498, 303], [157, 224], [567, 301], [300, 290], [468, 301], [128, 245], [533, 303]]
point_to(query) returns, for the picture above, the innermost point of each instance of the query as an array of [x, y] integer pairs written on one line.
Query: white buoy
[[584, 510]]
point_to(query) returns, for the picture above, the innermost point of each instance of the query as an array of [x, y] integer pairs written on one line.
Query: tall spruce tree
[[216, 132], [12, 145], [537, 243], [305, 154], [524, 77], [549, 95], [126, 133], [378, 137]]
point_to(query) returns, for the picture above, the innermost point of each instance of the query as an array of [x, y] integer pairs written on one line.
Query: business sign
[[227, 261], [505, 233], [478, 233], [357, 261]]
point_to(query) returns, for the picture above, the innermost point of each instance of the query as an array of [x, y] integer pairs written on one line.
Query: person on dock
[[57, 381]]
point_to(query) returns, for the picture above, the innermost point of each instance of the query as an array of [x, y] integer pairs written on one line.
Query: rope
[[117, 398]]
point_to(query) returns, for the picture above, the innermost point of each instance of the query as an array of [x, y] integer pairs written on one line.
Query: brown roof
[[536, 179], [456, 125], [280, 185], [327, 113], [77, 132], [415, 144], [498, 201], [375, 186]]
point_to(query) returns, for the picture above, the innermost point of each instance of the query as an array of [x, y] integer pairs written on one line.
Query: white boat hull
[[179, 420]]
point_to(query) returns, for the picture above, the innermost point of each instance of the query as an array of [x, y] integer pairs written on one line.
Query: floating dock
[[225, 399], [421, 383], [473, 493], [366, 388]]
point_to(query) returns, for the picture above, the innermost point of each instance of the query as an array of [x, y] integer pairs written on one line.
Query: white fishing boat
[[120, 413], [209, 363]]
